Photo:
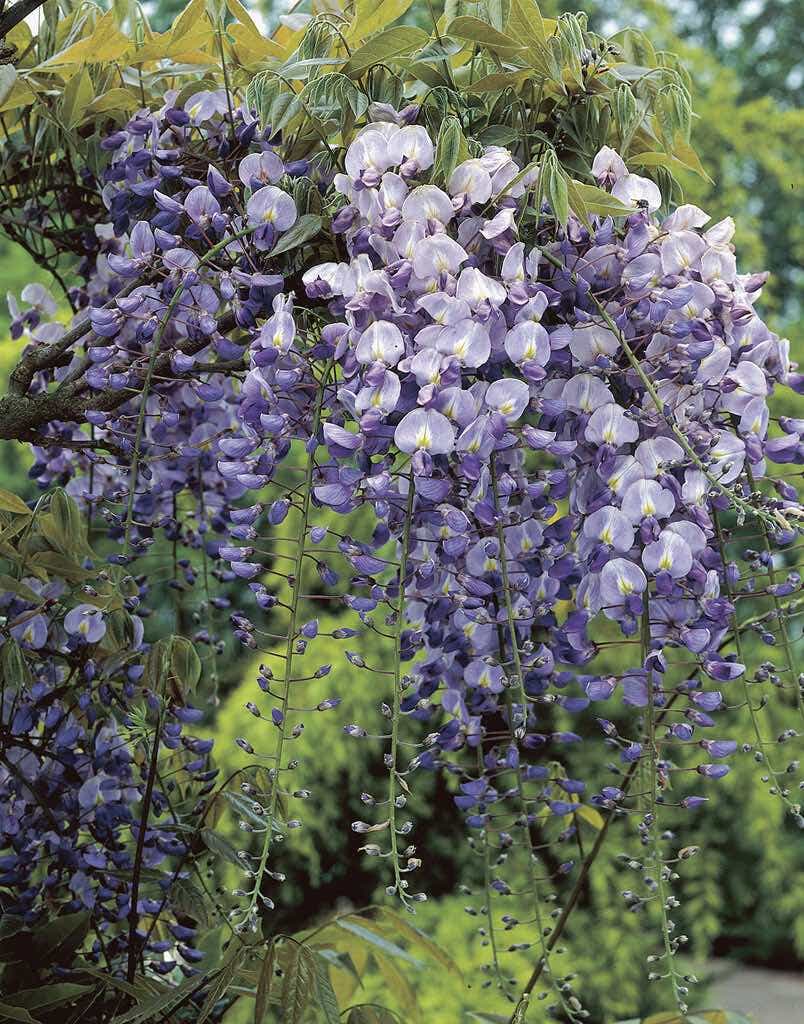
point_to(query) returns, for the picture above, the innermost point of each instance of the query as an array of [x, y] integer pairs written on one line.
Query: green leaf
[[10, 502], [686, 160], [61, 935], [264, 983], [16, 1013], [340, 960], [473, 30], [374, 15], [422, 941], [390, 45], [404, 995], [220, 847], [491, 1018], [368, 1014], [46, 996], [173, 663], [325, 994], [596, 200], [374, 939], [450, 150], [78, 94], [246, 807], [332, 97], [300, 976], [164, 1003], [305, 228], [229, 968], [53, 563], [13, 666], [190, 900], [64, 528], [555, 187], [10, 924]]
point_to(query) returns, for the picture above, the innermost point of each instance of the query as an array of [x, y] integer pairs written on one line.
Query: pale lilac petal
[[382, 342], [634, 191], [424, 430], [508, 397], [528, 342], [610, 425], [270, 205]]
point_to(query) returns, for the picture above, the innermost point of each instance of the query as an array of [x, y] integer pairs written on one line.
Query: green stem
[[295, 602], [487, 884], [519, 686], [653, 827], [396, 706], [738, 645], [777, 604], [207, 602]]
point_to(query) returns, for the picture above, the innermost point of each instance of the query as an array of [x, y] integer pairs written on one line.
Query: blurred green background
[[740, 899]]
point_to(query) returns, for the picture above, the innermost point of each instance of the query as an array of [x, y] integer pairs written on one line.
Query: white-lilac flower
[[528, 342], [428, 203], [436, 255], [270, 206], [381, 342], [412, 145], [610, 526], [86, 622], [509, 397], [475, 288], [589, 341], [647, 498], [424, 430], [669, 553], [472, 180], [620, 579], [637, 192], [609, 425]]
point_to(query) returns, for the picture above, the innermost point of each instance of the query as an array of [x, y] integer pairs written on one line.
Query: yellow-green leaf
[[114, 99], [11, 503], [687, 160], [78, 94], [8, 79], [500, 80], [390, 45], [597, 200], [106, 42], [474, 30], [374, 15], [418, 938], [590, 816]]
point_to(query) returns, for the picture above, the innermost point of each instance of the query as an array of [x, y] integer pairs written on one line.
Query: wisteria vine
[[503, 439]]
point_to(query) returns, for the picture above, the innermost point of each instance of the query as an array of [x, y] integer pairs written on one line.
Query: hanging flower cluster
[[547, 424]]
